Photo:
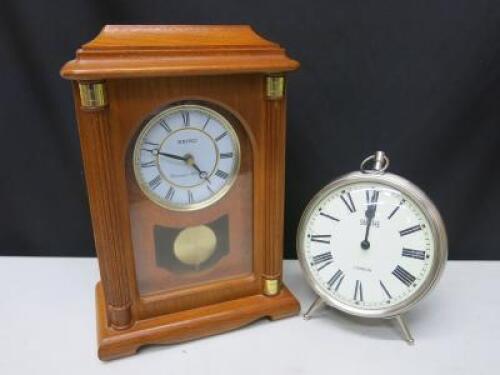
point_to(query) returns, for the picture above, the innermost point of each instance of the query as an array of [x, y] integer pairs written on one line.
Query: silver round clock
[[371, 244]]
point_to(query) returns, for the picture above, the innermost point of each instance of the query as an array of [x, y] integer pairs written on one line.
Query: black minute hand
[[189, 160], [177, 157], [370, 214]]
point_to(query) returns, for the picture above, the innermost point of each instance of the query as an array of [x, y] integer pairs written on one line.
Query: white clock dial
[[368, 246], [186, 157]]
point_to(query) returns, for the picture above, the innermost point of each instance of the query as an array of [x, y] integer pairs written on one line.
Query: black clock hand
[[365, 244], [370, 214], [189, 160], [176, 157], [201, 173]]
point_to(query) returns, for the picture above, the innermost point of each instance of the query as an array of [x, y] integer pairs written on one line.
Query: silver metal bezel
[[421, 201]]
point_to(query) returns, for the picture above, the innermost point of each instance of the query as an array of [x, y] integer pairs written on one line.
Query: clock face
[[186, 157], [367, 246]]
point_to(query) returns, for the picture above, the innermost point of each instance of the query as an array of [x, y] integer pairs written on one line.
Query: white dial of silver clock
[[368, 246], [186, 157]]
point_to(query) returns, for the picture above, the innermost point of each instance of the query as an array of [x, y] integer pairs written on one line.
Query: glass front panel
[[190, 192]]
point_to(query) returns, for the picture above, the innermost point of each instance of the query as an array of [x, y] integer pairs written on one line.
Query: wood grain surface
[[139, 302], [153, 51]]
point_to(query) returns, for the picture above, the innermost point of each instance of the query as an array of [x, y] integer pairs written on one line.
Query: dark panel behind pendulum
[[164, 246]]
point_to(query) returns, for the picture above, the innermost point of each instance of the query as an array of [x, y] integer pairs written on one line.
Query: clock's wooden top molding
[[150, 51]]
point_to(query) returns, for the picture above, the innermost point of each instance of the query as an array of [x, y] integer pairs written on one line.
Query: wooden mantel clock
[[182, 132]]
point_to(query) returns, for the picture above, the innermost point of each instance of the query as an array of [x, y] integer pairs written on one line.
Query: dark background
[[418, 79]]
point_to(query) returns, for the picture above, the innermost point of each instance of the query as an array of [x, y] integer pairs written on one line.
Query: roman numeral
[[395, 209], [372, 197], [147, 164], [170, 193], [324, 265], [190, 196], [220, 137], [185, 118], [385, 289], [155, 182], [206, 122], [348, 202], [221, 174], [403, 275], [358, 291], [320, 238], [210, 189], [226, 155], [155, 145], [164, 125], [337, 277], [329, 216], [325, 257], [410, 253], [410, 230]]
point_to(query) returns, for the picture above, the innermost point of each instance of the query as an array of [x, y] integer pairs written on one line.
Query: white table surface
[[47, 326]]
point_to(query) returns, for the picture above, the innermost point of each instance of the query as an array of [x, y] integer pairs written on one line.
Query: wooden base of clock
[[189, 324]]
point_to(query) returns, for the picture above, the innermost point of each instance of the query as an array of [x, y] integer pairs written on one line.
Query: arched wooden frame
[[155, 283]]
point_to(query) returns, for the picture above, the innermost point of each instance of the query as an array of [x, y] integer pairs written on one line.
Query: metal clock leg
[[318, 302], [404, 329]]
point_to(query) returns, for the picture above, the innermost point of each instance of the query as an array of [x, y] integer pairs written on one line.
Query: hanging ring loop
[[379, 163]]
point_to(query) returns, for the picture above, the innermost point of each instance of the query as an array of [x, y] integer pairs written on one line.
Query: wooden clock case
[[128, 72]]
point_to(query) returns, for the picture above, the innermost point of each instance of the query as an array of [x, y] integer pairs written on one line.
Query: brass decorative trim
[[271, 287], [93, 95], [275, 87], [229, 127]]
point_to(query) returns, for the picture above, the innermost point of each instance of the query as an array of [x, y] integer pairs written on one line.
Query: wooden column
[[275, 182], [104, 200]]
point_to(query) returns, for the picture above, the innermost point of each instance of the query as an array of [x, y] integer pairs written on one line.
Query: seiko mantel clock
[[182, 131]]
